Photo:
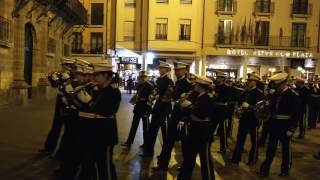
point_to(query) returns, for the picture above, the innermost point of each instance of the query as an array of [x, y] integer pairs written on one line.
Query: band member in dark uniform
[[313, 104], [161, 109], [284, 108], [98, 132], [248, 124], [199, 132], [63, 109], [303, 101], [182, 85], [142, 109], [222, 94]]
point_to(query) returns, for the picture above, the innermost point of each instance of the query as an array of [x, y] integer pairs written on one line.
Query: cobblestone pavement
[[23, 130]]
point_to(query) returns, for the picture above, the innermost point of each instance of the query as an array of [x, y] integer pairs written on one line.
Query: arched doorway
[[28, 56]]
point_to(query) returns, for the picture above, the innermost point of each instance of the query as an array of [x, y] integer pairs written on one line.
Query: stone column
[[203, 65], [244, 66], [19, 86], [317, 70], [282, 63]]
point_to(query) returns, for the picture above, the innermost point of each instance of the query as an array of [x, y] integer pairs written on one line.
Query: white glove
[[68, 88], [245, 105], [84, 96], [55, 77], [185, 103], [289, 133], [180, 125], [271, 91], [65, 76]]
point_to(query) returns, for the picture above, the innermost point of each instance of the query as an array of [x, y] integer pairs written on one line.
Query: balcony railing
[[298, 11], [225, 8], [284, 42], [71, 10], [263, 8], [5, 31], [87, 49], [185, 37], [162, 1], [161, 36]]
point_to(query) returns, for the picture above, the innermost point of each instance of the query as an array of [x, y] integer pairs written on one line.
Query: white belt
[[281, 117], [196, 119], [92, 115]]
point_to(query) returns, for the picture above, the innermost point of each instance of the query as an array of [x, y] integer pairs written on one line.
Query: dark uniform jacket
[[252, 97], [182, 86], [144, 90], [220, 102], [284, 104], [105, 102], [164, 86]]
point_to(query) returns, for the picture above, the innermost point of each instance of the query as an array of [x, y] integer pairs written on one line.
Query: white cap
[[279, 78], [66, 61], [102, 67], [86, 66], [203, 80], [180, 65], [164, 65]]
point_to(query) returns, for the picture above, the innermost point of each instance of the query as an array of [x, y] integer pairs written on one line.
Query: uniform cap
[[164, 64], [86, 66], [66, 61], [180, 65], [203, 80], [279, 78], [102, 67]]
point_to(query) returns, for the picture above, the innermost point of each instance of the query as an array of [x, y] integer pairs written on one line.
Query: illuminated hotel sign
[[269, 53], [129, 60]]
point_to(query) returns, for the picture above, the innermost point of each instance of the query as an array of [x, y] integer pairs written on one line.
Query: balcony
[[223, 8], [71, 10], [262, 8], [5, 31], [300, 12], [272, 42], [87, 49], [161, 37]]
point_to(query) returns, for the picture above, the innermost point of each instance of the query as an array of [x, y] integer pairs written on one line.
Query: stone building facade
[[34, 35]]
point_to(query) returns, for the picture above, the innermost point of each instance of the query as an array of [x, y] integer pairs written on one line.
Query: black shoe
[[159, 168], [283, 174], [125, 145]]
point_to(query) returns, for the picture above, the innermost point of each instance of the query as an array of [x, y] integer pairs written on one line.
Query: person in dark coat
[[284, 108]]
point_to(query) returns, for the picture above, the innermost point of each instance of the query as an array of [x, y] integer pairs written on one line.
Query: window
[[186, 1], [185, 29], [66, 49], [225, 32], [162, 1], [130, 3], [262, 33], [97, 13], [96, 43], [161, 28], [226, 5], [300, 7], [77, 42], [5, 30], [51, 45], [298, 36], [129, 30], [263, 6]]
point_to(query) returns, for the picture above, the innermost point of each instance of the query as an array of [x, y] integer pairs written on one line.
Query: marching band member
[[97, 132], [283, 106], [199, 132], [142, 109], [248, 124], [161, 109]]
